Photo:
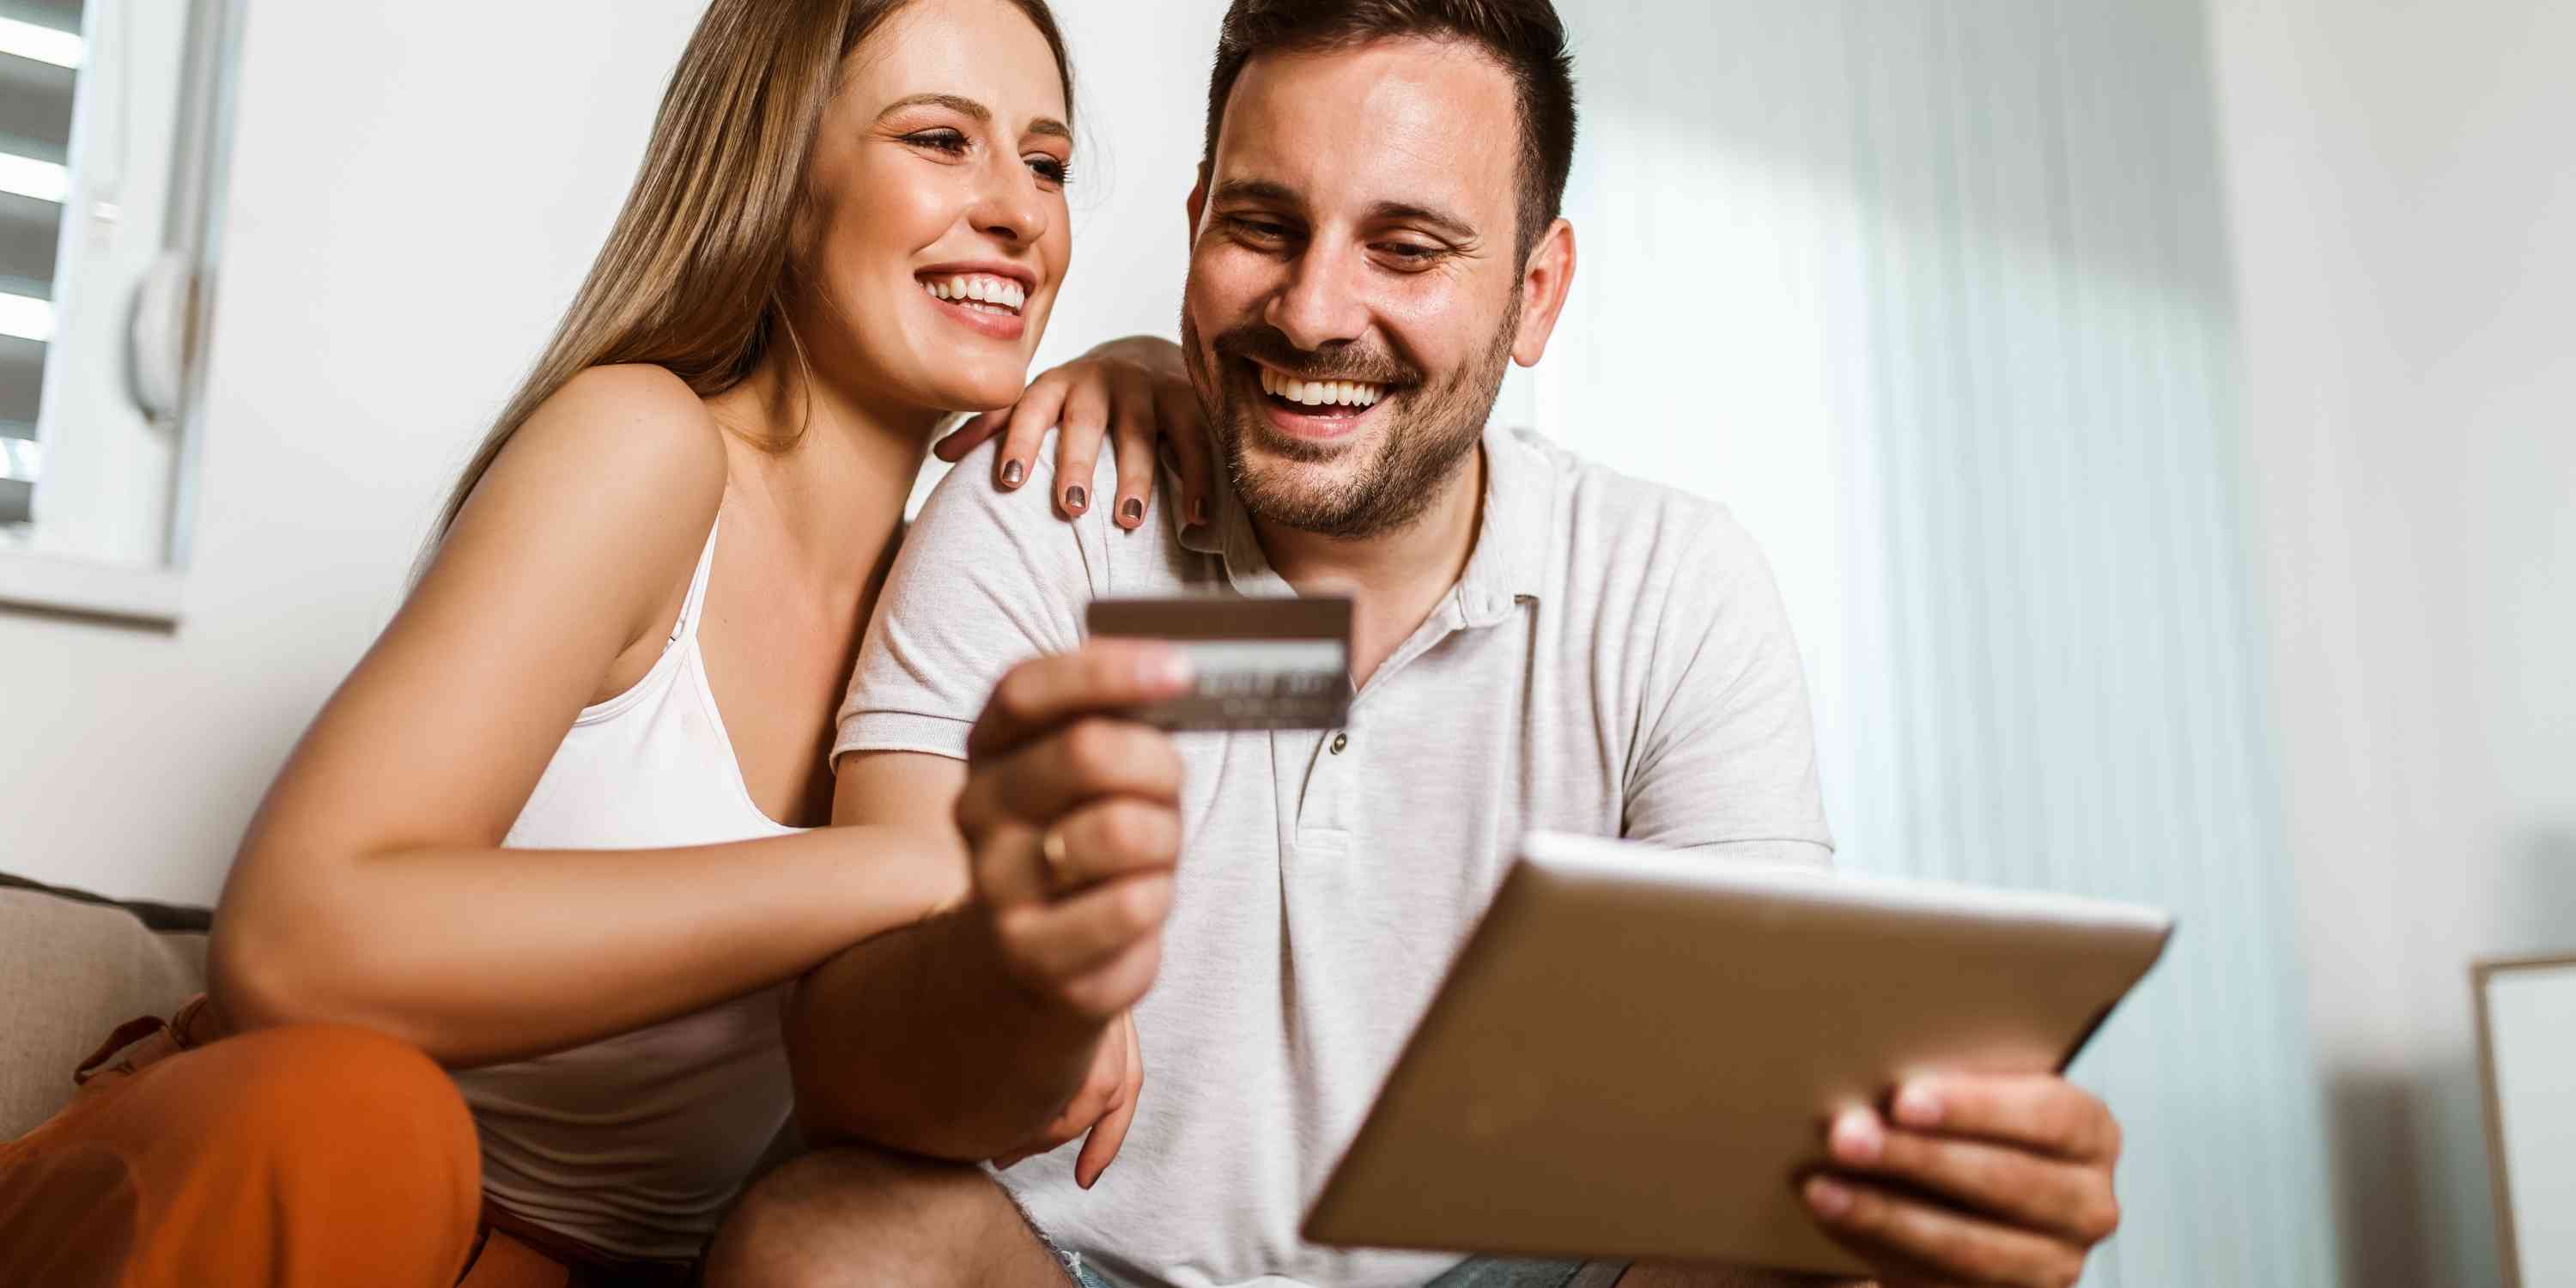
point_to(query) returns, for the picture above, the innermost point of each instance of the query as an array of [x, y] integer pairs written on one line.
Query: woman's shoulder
[[639, 425], [622, 442], [623, 456], [599, 501]]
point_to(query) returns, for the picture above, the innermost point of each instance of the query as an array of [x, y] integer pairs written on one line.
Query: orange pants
[[315, 1155], [295, 1157]]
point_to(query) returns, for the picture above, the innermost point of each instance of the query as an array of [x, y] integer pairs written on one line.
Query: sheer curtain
[[1936, 297]]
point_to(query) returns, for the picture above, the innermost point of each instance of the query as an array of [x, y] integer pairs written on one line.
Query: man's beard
[[1430, 429]]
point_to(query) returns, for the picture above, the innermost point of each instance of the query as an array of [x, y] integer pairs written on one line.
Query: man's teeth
[[983, 294], [1321, 393]]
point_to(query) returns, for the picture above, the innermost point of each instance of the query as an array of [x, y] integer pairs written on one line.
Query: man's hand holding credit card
[[1073, 826], [1071, 817], [1255, 663]]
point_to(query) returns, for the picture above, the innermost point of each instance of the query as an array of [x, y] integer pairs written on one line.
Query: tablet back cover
[[1637, 1050]]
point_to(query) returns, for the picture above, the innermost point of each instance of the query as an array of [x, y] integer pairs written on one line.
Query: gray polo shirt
[[1614, 661]]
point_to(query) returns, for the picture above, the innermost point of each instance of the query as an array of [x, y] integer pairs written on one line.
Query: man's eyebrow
[[1271, 192], [976, 112], [1438, 221], [1265, 191]]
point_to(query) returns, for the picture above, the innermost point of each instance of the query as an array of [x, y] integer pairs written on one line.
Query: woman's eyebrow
[[975, 112]]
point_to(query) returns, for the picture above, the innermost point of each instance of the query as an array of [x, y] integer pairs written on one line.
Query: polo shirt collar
[[1229, 536], [1508, 565]]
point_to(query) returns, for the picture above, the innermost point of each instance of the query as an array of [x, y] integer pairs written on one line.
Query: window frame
[[85, 574]]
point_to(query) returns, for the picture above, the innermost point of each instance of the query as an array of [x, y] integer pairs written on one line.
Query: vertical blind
[[1937, 296], [40, 49]]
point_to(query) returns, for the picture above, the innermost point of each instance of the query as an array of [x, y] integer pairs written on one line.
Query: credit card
[[1257, 663]]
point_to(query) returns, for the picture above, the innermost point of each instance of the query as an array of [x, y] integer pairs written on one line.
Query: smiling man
[[1541, 644]]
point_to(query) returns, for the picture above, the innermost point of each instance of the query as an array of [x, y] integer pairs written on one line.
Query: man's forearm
[[917, 1040]]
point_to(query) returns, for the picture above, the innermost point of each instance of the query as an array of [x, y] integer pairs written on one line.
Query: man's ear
[[1197, 206], [1545, 278]]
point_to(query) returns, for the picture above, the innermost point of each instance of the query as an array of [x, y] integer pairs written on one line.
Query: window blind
[[1937, 298], [40, 56]]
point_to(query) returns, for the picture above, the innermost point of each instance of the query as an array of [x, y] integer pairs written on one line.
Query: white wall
[[2403, 193]]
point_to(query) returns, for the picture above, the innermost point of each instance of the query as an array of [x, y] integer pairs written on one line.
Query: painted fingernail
[[1917, 1106], [1856, 1137], [1012, 474], [1829, 1200], [1132, 510], [1075, 499]]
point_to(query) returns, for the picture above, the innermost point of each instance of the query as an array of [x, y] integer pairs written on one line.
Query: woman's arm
[[370, 888]]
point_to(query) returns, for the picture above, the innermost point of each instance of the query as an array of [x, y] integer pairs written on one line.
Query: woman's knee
[[300, 1155], [327, 1105], [362, 1081]]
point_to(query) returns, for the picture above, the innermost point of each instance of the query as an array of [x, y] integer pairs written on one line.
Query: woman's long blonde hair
[[696, 274]]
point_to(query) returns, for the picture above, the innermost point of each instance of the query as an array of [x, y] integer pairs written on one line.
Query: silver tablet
[[1637, 1051]]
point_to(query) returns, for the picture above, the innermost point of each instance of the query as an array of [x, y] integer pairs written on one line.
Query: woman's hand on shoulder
[[1135, 393]]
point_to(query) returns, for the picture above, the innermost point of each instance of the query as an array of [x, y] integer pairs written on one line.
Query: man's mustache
[[1265, 345]]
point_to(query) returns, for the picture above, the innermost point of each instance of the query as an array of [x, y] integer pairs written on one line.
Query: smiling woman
[[751, 95], [582, 768]]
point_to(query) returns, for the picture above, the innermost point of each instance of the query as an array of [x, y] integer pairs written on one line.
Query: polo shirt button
[[1340, 740]]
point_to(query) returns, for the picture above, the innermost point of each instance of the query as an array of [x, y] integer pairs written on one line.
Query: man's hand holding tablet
[[1975, 1179]]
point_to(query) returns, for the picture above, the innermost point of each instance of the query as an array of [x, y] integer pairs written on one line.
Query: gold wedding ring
[[1051, 849]]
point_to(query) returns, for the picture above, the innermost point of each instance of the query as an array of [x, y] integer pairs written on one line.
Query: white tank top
[[634, 1145]]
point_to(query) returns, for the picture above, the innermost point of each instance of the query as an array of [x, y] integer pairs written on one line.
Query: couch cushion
[[73, 967]]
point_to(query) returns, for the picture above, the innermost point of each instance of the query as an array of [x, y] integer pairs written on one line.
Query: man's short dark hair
[[1525, 36]]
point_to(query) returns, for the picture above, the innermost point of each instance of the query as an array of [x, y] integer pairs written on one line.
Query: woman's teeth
[[980, 294], [1321, 393]]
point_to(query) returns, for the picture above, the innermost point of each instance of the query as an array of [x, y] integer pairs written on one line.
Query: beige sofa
[[73, 967]]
